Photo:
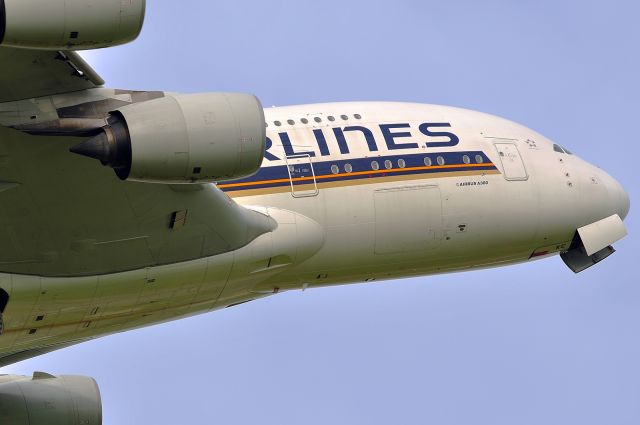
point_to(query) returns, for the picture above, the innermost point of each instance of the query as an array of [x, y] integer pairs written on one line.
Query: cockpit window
[[560, 149]]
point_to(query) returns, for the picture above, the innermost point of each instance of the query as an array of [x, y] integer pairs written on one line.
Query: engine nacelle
[[48, 400], [191, 138], [69, 24]]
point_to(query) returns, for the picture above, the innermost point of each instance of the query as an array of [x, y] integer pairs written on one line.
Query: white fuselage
[[360, 191]]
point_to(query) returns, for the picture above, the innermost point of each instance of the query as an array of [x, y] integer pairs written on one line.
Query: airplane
[[122, 209]]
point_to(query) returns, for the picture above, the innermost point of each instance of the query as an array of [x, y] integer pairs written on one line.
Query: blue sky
[[526, 344]]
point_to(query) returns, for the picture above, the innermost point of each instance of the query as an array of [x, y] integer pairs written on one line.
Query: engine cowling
[[69, 24], [48, 400], [191, 138]]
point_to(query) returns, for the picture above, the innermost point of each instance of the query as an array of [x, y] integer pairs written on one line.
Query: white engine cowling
[[69, 24], [48, 400], [192, 138]]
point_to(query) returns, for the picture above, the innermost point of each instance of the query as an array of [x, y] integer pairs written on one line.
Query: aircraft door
[[407, 219], [511, 160], [301, 175]]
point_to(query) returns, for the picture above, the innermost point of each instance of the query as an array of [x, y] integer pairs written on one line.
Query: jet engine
[[69, 24], [191, 138], [48, 400]]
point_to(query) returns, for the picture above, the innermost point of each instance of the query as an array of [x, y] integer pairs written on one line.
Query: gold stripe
[[356, 173]]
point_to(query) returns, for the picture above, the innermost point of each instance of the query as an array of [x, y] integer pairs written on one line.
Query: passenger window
[[374, 165], [334, 169], [440, 160], [348, 168], [401, 163], [466, 159], [388, 164], [278, 123], [317, 119], [427, 161], [291, 122], [304, 121], [479, 159], [357, 116], [344, 117], [331, 118]]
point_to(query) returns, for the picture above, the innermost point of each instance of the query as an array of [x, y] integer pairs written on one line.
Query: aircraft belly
[[46, 312]]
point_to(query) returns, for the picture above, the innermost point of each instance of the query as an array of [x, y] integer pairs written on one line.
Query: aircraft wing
[[26, 73], [12, 357], [62, 214], [65, 215]]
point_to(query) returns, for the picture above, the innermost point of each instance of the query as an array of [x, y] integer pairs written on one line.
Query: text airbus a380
[[208, 207]]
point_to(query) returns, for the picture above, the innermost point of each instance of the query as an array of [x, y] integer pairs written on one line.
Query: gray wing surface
[[64, 215], [7, 359], [28, 73]]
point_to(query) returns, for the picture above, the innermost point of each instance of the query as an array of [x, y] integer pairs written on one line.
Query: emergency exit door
[[301, 175], [511, 160]]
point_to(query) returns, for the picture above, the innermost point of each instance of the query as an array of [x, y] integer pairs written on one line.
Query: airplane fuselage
[[360, 192], [126, 208]]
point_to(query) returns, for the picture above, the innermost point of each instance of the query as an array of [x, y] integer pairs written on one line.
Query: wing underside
[[26, 73], [65, 215]]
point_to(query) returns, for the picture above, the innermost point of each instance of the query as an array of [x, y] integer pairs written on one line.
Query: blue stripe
[[323, 168]]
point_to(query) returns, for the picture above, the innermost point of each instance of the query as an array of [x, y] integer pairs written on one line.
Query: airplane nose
[[619, 197], [625, 202]]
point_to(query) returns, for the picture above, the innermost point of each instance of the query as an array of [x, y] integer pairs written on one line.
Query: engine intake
[[69, 24], [206, 137]]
